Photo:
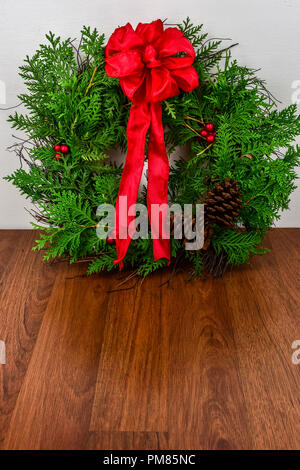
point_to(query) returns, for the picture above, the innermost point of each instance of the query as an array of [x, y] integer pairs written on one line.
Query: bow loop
[[123, 39], [124, 64], [149, 32], [133, 54], [174, 42]]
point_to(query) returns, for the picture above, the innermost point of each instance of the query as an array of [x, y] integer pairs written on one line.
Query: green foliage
[[71, 100], [86, 110], [238, 245], [104, 263], [197, 262], [208, 53], [92, 44]]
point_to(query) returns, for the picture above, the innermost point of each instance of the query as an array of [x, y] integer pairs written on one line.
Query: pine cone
[[208, 230], [222, 204]]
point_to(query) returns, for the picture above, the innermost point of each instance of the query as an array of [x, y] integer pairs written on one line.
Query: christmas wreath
[[155, 86]]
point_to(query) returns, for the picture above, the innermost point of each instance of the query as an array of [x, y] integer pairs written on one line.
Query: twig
[[11, 107], [220, 51], [194, 119], [91, 81], [124, 289], [204, 150], [189, 127], [130, 276], [168, 281], [214, 39]]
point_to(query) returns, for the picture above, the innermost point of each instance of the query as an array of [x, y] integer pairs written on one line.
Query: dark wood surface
[[197, 365]]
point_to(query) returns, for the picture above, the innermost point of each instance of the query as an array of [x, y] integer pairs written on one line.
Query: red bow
[[150, 72]]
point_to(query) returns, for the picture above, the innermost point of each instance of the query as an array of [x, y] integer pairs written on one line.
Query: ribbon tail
[[137, 128], [157, 191]]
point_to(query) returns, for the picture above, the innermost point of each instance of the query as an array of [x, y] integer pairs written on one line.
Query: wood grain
[[197, 365], [133, 367], [206, 397], [26, 284]]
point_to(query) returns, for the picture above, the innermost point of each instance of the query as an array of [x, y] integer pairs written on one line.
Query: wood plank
[[265, 317], [124, 440], [206, 401], [132, 383], [26, 284], [54, 406]]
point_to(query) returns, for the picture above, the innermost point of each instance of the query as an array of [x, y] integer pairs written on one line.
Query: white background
[[268, 32]]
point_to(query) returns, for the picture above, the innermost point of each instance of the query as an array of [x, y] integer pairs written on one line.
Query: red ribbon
[[150, 72]]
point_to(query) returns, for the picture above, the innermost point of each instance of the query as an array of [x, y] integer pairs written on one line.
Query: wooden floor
[[197, 365]]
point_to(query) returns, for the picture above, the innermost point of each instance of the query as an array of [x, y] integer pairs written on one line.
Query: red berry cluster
[[208, 133], [110, 239], [60, 150]]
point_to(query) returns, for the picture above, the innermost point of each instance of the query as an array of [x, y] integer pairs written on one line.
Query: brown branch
[[91, 81]]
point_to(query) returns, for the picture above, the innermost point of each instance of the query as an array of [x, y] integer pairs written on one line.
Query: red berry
[[210, 139], [64, 148], [209, 127], [57, 148], [203, 133], [109, 240], [58, 156]]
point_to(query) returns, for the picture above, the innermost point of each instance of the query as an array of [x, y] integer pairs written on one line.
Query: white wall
[[267, 31]]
